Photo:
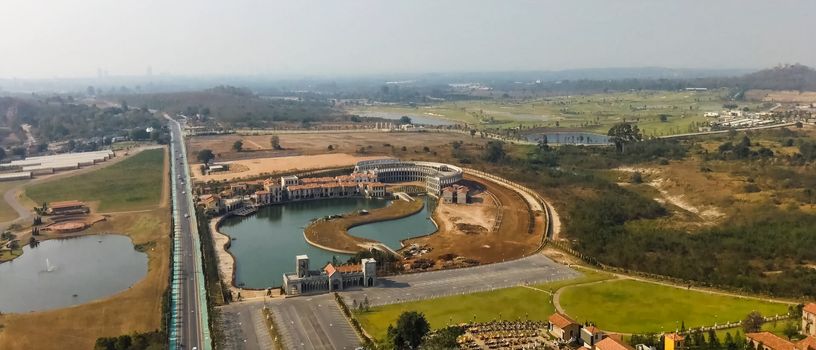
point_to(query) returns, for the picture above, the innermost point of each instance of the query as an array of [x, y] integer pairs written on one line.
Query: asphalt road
[[244, 327], [314, 322], [428, 285], [190, 332]]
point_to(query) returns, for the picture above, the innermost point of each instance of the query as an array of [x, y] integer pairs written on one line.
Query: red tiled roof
[[770, 340], [560, 320], [330, 269], [806, 344], [350, 268], [810, 308], [65, 204], [610, 343], [592, 329]]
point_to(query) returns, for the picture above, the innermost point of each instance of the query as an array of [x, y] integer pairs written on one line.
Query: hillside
[[237, 107], [784, 77]]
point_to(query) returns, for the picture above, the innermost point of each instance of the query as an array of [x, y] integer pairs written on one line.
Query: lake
[[266, 243], [415, 118], [82, 269]]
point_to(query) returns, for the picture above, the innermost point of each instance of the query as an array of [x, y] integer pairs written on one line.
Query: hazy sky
[[59, 38]]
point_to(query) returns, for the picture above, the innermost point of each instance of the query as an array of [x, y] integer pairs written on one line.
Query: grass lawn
[[510, 303], [132, 184], [639, 307], [595, 113], [6, 254]]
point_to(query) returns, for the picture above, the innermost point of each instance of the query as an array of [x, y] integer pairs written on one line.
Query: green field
[[639, 307], [509, 304], [132, 184], [594, 113]]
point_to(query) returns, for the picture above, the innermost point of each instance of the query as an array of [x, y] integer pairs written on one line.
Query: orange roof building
[[610, 343], [769, 341]]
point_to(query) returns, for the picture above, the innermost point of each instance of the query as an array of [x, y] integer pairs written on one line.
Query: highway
[[188, 325]]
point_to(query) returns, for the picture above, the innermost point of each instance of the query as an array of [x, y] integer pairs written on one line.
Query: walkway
[[533, 269]]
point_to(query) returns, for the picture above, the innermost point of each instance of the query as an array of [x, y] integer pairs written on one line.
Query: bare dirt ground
[[477, 217], [511, 241], [260, 166], [374, 143], [672, 185]]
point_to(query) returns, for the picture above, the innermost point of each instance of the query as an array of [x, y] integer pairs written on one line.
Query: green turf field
[[593, 113], [132, 184], [510, 303], [639, 307]]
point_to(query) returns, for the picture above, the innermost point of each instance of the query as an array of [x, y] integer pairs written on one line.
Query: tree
[[713, 341], [664, 118], [330, 148], [205, 155], [410, 328], [790, 330], [753, 322], [472, 133], [444, 338], [275, 142], [494, 151], [238, 146], [18, 151], [637, 178], [623, 133], [405, 120], [32, 242], [2, 153]]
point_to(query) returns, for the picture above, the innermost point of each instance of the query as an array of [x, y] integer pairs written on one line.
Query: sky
[[61, 39]]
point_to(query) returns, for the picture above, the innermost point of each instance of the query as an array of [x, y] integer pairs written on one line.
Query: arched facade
[[434, 175]]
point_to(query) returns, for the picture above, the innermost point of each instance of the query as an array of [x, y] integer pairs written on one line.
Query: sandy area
[[259, 166], [477, 217]]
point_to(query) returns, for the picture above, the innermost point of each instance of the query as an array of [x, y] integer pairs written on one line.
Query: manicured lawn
[[510, 303], [638, 307], [131, 184]]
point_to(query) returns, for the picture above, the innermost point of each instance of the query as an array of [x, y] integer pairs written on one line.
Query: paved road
[[244, 327], [396, 289], [191, 331], [313, 323]]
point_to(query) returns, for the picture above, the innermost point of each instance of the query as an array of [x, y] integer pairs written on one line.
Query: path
[[533, 269]]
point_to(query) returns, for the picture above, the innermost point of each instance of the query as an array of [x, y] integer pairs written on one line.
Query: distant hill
[[237, 107], [784, 77]]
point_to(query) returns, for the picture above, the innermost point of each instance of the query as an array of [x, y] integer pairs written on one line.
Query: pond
[[65, 272], [570, 138], [265, 244]]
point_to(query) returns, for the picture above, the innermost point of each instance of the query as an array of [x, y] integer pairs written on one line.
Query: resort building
[[231, 204], [434, 175], [809, 320], [455, 194], [210, 202], [674, 341], [611, 343], [590, 336], [67, 207], [563, 327], [329, 279], [770, 341]]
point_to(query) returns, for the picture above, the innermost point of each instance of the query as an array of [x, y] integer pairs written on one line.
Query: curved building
[[434, 175]]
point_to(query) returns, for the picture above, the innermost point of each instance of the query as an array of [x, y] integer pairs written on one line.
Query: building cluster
[[367, 180], [67, 208], [433, 175], [41, 165], [588, 337], [567, 331], [455, 194], [330, 278], [770, 341]]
